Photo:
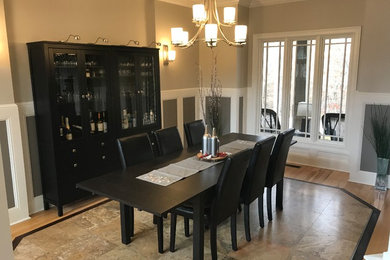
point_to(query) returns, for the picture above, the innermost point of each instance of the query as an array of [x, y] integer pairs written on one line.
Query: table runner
[[185, 168]]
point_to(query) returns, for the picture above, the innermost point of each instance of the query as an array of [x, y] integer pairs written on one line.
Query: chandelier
[[206, 16]]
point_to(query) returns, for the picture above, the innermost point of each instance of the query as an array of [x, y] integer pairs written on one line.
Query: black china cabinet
[[85, 97]]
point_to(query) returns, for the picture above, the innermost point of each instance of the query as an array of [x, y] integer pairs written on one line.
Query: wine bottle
[[125, 119], [205, 142], [91, 123], [68, 132], [105, 129], [62, 127], [151, 116], [214, 144], [99, 124]]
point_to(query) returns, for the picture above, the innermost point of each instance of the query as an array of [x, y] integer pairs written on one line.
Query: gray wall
[[188, 109], [368, 156], [34, 156], [170, 113], [6, 164]]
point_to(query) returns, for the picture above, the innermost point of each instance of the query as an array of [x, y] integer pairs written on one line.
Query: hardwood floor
[[380, 200]]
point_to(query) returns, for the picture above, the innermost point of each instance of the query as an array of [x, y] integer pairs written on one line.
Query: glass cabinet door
[[128, 91], [147, 90], [68, 101], [96, 94]]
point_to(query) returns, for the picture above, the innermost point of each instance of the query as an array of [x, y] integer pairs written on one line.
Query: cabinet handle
[[102, 144], [74, 165], [103, 157], [74, 150]]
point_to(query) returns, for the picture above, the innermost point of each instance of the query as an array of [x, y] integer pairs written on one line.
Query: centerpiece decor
[[380, 141], [210, 98]]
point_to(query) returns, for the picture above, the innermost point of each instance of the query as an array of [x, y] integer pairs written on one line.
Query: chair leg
[[269, 205], [233, 231], [279, 195], [261, 211], [160, 234], [173, 232], [246, 223], [213, 241], [239, 208], [186, 227]]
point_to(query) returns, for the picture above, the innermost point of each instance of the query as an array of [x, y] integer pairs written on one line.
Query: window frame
[[288, 38]]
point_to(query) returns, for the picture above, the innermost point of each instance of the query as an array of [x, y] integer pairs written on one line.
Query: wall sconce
[[74, 36], [168, 55]]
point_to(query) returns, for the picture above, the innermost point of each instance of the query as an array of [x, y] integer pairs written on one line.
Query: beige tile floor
[[317, 222]]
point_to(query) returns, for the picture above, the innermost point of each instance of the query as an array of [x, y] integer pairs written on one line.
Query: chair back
[[269, 119], [194, 132], [134, 149], [332, 123], [254, 181], [278, 157], [228, 187], [168, 140]]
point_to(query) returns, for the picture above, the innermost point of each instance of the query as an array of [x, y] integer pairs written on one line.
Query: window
[[304, 84]]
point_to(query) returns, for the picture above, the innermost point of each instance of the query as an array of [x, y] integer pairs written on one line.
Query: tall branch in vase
[[210, 98]]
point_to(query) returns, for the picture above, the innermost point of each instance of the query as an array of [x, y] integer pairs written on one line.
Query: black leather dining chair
[[132, 150], [276, 166], [269, 120], [222, 204], [168, 140], [331, 123], [194, 132], [254, 181]]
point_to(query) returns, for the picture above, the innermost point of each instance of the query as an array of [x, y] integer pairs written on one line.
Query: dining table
[[131, 192]]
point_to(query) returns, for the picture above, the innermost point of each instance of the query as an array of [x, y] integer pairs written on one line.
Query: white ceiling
[[249, 3]]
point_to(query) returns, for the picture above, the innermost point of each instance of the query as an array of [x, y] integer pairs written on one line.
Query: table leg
[[198, 229], [127, 223]]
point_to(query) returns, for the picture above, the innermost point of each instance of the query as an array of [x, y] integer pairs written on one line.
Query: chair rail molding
[[10, 114]]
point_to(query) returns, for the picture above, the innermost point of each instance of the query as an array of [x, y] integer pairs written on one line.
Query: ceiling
[[248, 3]]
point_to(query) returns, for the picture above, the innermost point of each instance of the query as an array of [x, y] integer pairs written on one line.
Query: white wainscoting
[[35, 204], [233, 93], [10, 114]]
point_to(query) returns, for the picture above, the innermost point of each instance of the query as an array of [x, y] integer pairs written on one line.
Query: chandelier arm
[[225, 38]]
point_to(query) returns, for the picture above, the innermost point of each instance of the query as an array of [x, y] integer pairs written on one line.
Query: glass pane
[[128, 94], [148, 90], [334, 89], [95, 74], [68, 96], [271, 103], [301, 98]]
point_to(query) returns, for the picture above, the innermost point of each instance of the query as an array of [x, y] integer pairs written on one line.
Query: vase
[[381, 176]]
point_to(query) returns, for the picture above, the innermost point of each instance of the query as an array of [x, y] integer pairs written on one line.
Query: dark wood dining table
[[124, 187]]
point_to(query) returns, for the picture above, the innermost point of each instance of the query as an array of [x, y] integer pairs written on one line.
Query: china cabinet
[[86, 96]]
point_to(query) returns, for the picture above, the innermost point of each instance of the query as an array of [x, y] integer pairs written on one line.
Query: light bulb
[[176, 35], [240, 33], [211, 33], [229, 15]]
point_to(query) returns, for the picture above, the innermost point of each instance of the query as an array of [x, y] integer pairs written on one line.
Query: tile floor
[[317, 222]]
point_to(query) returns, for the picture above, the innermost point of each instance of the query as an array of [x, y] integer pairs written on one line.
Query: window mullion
[[286, 89], [317, 87]]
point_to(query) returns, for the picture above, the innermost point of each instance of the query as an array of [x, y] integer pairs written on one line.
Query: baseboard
[[36, 204], [365, 177]]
